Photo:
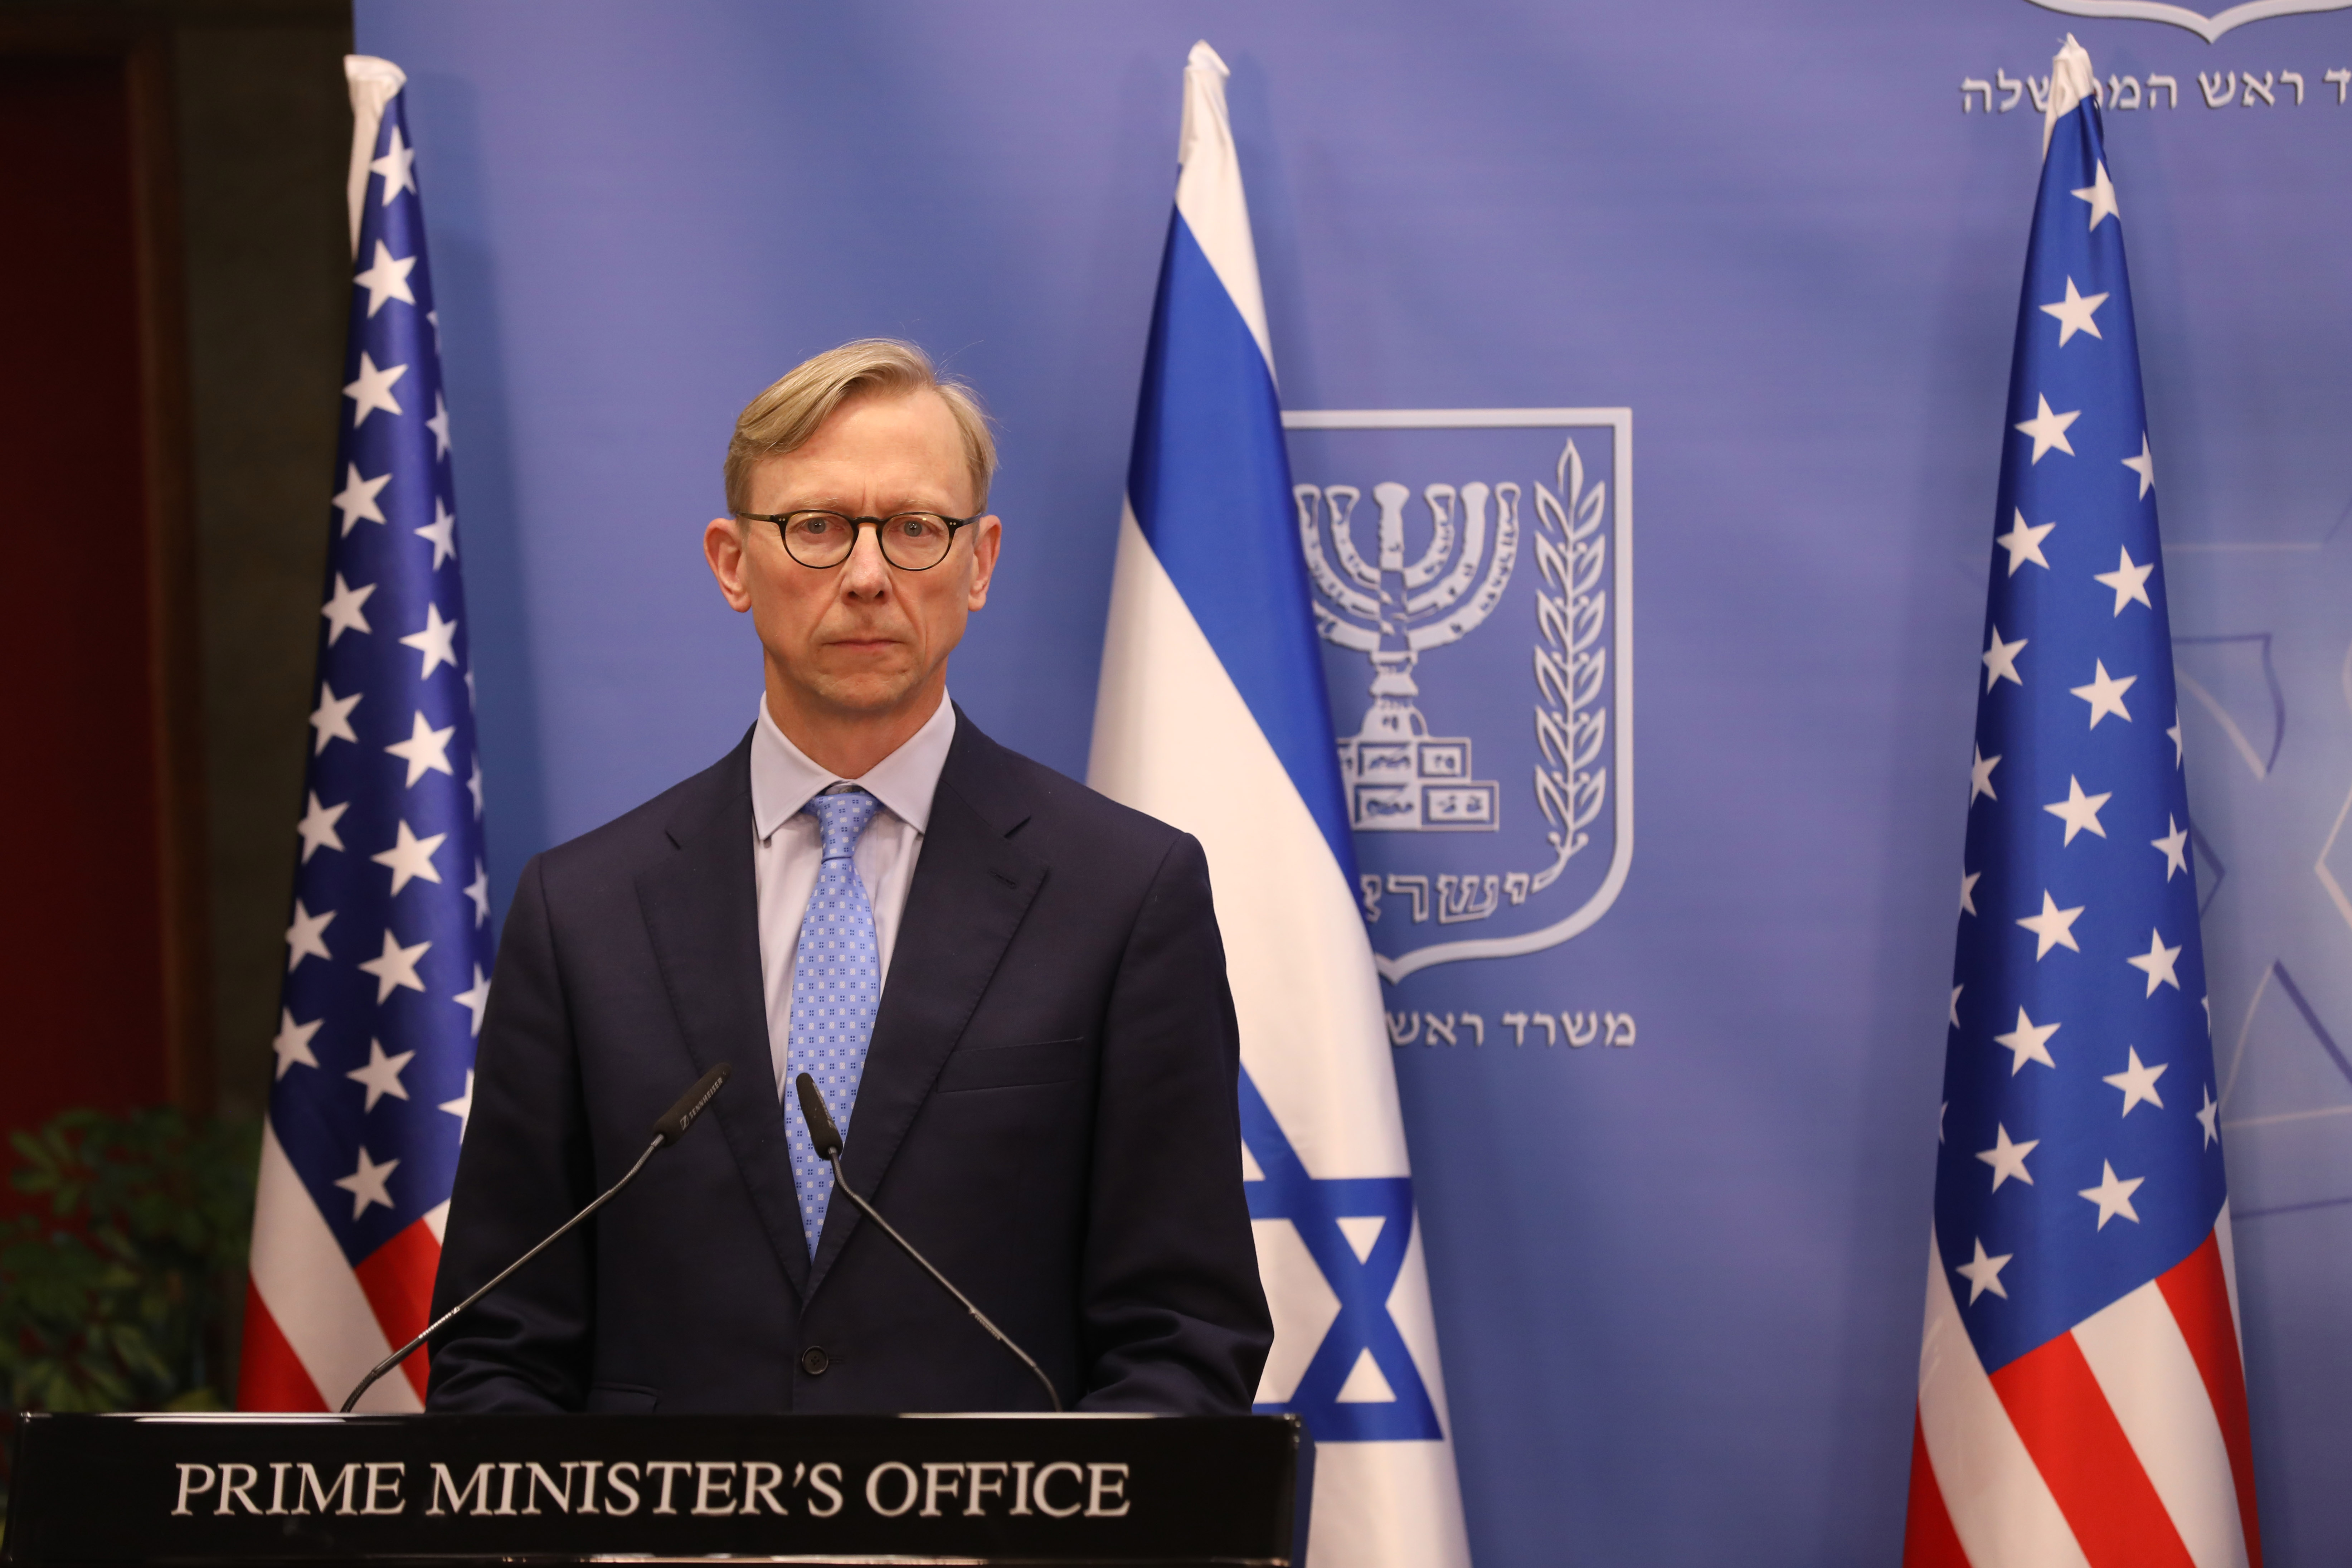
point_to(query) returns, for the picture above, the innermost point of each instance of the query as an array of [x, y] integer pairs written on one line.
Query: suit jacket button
[[814, 1361]]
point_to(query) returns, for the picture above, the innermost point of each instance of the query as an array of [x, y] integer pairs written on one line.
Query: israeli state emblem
[[1473, 572]]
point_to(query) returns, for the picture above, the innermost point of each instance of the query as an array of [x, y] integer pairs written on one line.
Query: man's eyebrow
[[834, 504]]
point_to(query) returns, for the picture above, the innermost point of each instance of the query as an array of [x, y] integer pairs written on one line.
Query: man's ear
[[988, 536], [722, 546]]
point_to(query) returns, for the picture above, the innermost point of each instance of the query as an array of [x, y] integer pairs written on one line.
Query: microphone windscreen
[[673, 1123], [822, 1131]]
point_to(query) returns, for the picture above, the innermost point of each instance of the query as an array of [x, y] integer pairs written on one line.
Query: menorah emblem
[[1559, 660], [1398, 776]]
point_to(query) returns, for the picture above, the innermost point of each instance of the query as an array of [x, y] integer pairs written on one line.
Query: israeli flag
[[1213, 716]]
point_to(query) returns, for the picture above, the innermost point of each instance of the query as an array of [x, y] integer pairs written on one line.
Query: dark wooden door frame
[[142, 42]]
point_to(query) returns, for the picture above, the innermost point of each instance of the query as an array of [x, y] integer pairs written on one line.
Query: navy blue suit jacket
[[1047, 1110]]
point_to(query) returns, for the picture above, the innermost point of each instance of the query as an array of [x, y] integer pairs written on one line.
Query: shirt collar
[[783, 779]]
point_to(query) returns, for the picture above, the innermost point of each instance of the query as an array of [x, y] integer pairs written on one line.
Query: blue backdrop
[[1767, 261]]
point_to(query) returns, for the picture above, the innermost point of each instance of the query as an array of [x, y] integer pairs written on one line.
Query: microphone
[[667, 1129], [827, 1139]]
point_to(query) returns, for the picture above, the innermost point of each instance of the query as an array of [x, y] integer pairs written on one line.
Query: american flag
[[2081, 1394], [388, 942]]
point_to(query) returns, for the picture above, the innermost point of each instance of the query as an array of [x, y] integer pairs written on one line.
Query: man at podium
[[1009, 992]]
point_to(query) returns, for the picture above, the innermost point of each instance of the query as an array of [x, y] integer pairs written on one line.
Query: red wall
[[81, 932]]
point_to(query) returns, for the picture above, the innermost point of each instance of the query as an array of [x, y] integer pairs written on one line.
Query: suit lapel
[[971, 890], [702, 909]]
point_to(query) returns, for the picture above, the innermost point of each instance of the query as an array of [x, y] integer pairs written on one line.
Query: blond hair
[[787, 414]]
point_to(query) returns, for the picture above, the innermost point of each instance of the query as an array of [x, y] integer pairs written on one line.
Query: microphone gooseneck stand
[[668, 1130], [827, 1139]]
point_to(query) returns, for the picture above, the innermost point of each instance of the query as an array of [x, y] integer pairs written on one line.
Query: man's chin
[[869, 696]]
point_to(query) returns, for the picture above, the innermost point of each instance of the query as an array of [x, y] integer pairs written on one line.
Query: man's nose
[[867, 573]]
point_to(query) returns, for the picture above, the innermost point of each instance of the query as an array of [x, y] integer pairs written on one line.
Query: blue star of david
[[1314, 1208]]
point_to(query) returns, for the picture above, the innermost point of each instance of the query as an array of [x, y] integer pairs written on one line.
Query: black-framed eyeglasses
[[911, 541]]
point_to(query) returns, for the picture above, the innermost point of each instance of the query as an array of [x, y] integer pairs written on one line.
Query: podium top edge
[[360, 1418]]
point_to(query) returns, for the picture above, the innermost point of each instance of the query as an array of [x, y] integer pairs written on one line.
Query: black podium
[[1044, 1489]]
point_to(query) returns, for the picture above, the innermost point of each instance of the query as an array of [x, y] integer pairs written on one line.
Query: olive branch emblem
[[1572, 662]]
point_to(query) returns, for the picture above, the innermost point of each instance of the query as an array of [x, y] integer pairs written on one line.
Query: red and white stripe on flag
[[314, 1324], [2123, 1443]]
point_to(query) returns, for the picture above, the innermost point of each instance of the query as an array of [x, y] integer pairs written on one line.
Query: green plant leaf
[[116, 1295]]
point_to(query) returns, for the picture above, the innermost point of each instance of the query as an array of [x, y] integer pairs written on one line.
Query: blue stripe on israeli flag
[[1212, 715], [1210, 483]]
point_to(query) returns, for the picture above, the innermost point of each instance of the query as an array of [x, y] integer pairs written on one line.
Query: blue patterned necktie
[[836, 986]]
